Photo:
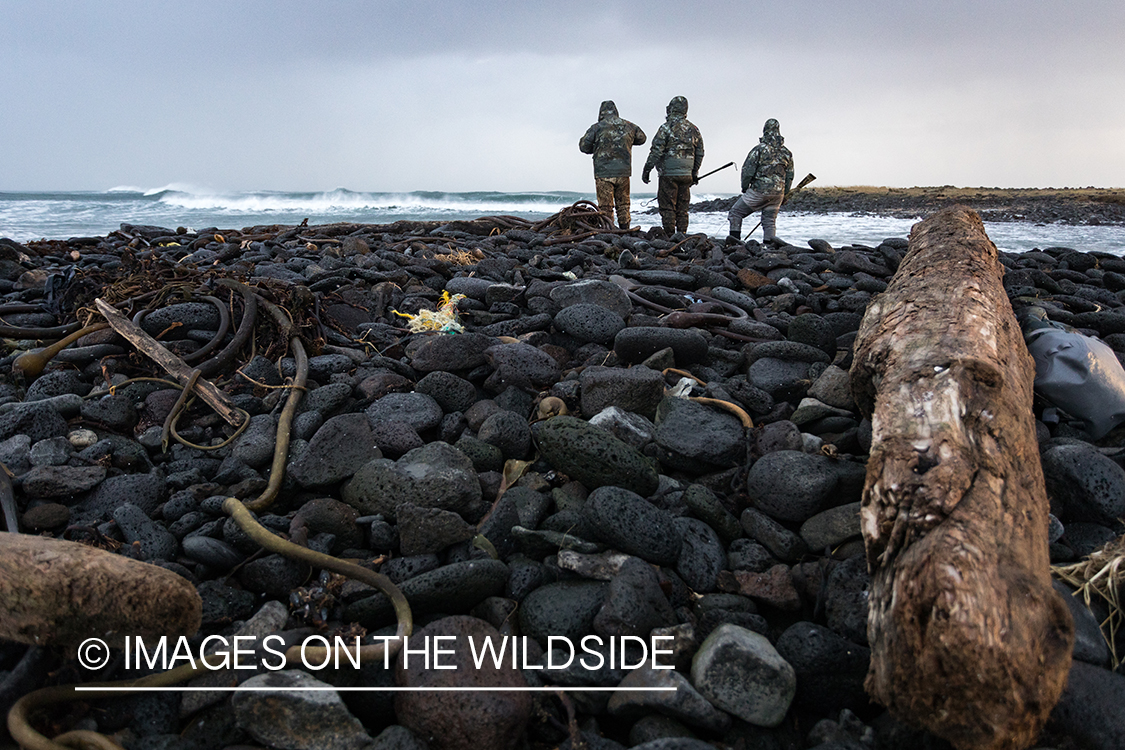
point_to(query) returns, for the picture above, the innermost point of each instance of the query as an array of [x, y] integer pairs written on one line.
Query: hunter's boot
[[735, 235]]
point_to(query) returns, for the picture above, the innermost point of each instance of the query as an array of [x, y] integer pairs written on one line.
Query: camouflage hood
[[677, 107], [677, 150], [771, 133], [608, 111]]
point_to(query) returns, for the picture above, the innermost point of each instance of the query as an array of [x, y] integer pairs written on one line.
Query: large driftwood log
[[58, 592], [968, 639]]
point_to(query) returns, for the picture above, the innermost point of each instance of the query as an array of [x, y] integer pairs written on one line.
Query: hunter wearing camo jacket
[[767, 175], [677, 152], [611, 140]]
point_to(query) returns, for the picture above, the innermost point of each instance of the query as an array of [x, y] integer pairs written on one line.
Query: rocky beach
[[546, 430]]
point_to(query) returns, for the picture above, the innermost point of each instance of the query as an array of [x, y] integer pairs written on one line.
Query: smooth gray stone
[[520, 365], [300, 720], [255, 446], [697, 437], [831, 527], [565, 608], [214, 553], [1089, 642], [449, 353], [791, 485], [627, 522], [740, 672], [684, 704]]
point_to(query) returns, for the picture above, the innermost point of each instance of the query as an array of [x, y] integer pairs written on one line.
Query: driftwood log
[[968, 639], [58, 592]]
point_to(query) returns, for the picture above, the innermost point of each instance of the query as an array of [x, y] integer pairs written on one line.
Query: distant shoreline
[[1076, 206]]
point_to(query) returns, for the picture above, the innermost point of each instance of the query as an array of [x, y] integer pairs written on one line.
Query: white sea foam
[[179, 187], [28, 216], [344, 201]]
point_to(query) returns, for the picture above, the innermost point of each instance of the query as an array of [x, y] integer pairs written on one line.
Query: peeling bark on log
[[58, 592], [968, 639]]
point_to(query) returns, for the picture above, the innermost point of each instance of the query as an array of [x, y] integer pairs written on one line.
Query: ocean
[[42, 215]]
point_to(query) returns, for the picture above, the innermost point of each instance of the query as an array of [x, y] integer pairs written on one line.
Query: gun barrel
[[713, 171]]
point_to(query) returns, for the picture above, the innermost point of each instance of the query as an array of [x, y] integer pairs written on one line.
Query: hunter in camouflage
[[676, 152], [611, 140], [767, 175]]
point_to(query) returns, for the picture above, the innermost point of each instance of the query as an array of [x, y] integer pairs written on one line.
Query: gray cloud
[[473, 96]]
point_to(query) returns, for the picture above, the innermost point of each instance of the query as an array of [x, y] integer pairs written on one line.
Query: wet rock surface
[[556, 431]]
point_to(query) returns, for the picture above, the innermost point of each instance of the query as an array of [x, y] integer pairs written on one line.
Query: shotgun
[[808, 178], [650, 201], [713, 171]]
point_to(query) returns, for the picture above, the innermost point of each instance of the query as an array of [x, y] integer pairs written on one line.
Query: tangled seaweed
[[1101, 575]]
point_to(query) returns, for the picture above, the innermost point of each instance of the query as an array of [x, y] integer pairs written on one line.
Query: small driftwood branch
[[172, 364], [968, 639], [58, 592]]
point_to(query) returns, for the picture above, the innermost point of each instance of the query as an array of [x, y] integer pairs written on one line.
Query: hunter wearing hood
[[767, 175], [677, 152], [611, 140]]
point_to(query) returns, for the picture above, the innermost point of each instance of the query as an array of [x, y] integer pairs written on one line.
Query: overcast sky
[[476, 95]]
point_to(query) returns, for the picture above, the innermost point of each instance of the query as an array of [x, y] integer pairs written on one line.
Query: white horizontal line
[[373, 689]]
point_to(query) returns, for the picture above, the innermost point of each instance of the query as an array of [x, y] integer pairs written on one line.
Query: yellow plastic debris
[[442, 320]]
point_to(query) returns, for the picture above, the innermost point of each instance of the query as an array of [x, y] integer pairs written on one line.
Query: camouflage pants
[[673, 196], [748, 203], [614, 191]]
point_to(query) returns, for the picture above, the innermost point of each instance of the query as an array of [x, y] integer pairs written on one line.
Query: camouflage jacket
[[611, 141], [768, 167], [677, 149]]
